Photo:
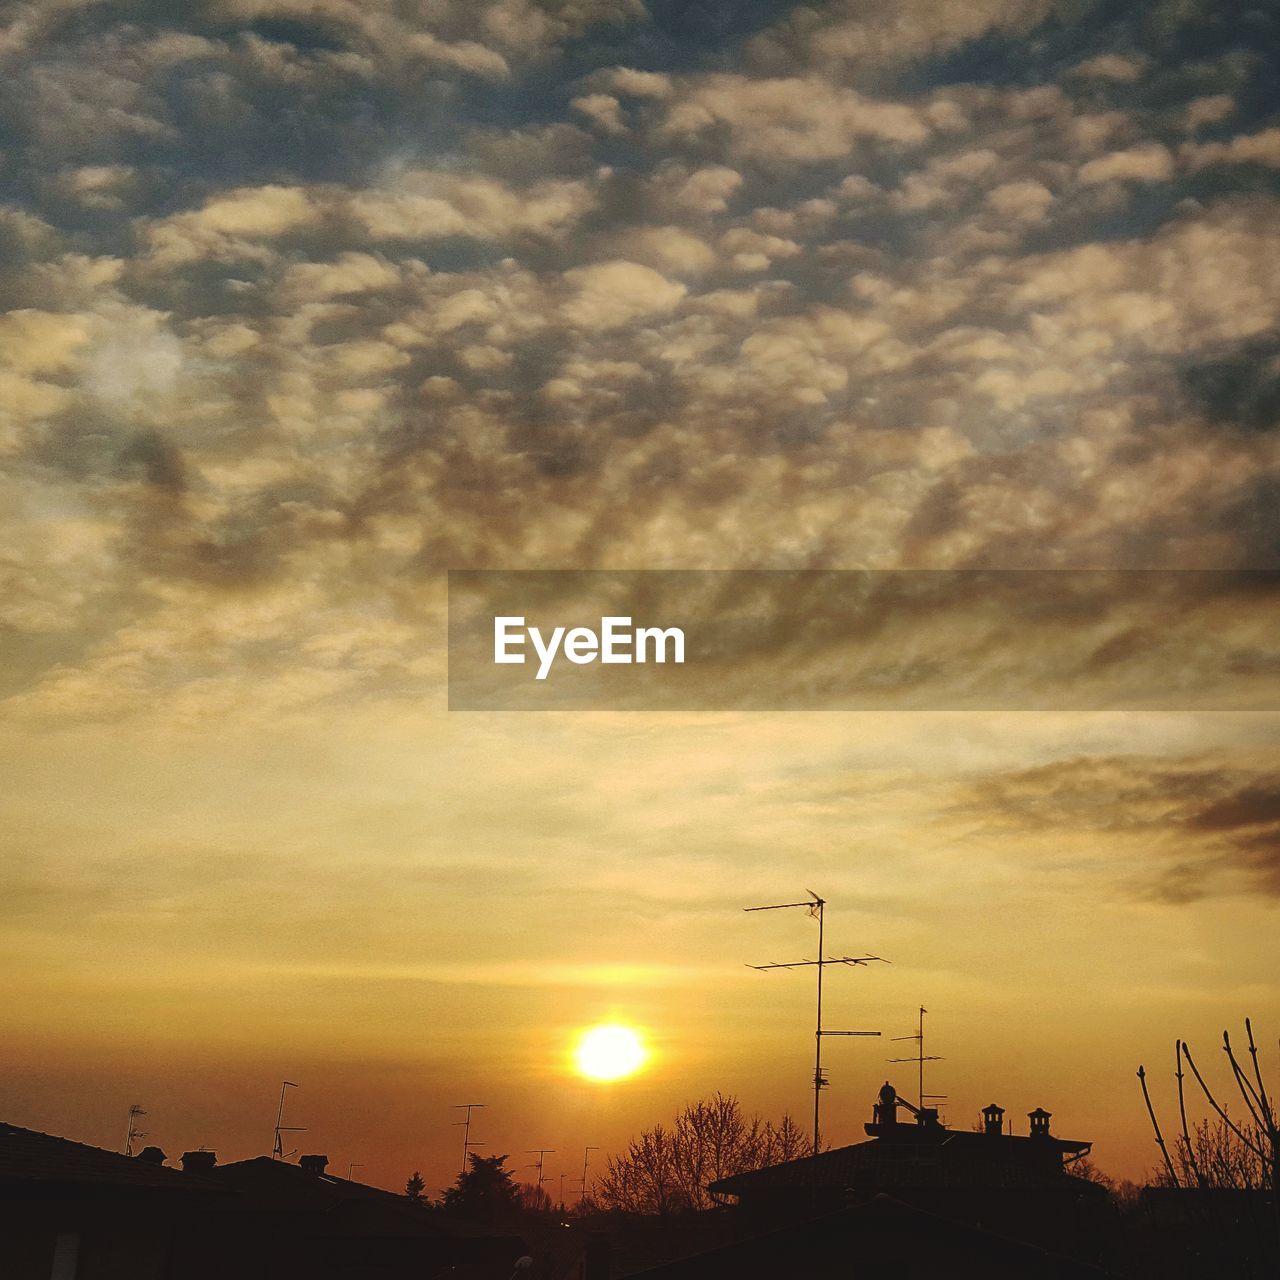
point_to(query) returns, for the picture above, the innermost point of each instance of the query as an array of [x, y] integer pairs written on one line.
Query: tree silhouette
[[485, 1191], [667, 1171], [1229, 1154], [415, 1187], [1234, 1155], [534, 1199]]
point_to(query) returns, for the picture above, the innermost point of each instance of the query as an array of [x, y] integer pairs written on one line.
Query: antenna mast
[[135, 1114], [816, 907], [542, 1153], [277, 1147], [586, 1156], [467, 1144], [921, 1058]]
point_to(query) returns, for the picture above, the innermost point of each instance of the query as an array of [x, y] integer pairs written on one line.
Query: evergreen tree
[[415, 1187], [486, 1191]]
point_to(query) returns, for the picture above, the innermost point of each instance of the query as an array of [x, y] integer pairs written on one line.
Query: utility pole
[[816, 907], [467, 1144], [135, 1114], [277, 1146]]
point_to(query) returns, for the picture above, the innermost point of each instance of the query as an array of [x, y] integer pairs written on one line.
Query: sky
[[307, 302]]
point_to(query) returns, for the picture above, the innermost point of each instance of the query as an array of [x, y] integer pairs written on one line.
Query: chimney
[[993, 1119], [198, 1161], [599, 1260], [1039, 1122], [313, 1164], [885, 1111], [151, 1155]]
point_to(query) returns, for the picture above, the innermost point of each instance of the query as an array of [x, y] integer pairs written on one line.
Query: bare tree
[[533, 1198], [1225, 1153], [668, 1170], [1084, 1168], [1212, 1157]]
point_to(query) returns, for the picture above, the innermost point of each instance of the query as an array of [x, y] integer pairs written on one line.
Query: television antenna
[[816, 907], [586, 1156], [135, 1114], [352, 1166], [542, 1153], [467, 1144], [277, 1147], [921, 1058]]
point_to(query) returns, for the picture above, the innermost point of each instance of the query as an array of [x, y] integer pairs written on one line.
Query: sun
[[609, 1051]]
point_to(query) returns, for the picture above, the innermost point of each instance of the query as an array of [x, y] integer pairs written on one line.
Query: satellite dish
[[524, 1264]]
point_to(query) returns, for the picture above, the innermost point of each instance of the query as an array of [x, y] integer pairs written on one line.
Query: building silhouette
[[1018, 1185], [69, 1211]]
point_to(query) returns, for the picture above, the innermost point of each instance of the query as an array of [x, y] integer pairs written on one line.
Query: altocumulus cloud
[[309, 301]]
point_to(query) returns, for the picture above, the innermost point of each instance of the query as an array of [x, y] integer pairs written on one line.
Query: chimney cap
[[151, 1155], [313, 1164], [199, 1161]]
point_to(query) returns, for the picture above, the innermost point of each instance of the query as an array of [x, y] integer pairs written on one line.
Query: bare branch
[[1262, 1088], [1213, 1102], [1187, 1144], [1242, 1082], [1155, 1124]]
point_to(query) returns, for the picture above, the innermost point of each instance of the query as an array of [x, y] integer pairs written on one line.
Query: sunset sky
[[310, 301]]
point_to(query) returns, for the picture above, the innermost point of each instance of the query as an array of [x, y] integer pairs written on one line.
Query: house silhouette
[[1017, 1185]]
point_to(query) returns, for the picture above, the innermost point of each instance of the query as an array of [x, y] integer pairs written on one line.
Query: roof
[[882, 1237], [278, 1186], [918, 1157], [29, 1156]]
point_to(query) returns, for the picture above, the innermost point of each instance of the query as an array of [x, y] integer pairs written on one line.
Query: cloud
[[628, 82], [1025, 201], [1251, 806], [801, 121], [603, 110], [1148, 163], [1193, 828], [862, 39], [1255, 148], [1110, 66], [432, 205], [232, 225], [611, 294]]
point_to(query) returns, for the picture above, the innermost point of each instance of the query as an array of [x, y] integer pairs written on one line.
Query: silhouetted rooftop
[[918, 1156], [27, 1155], [280, 1186]]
